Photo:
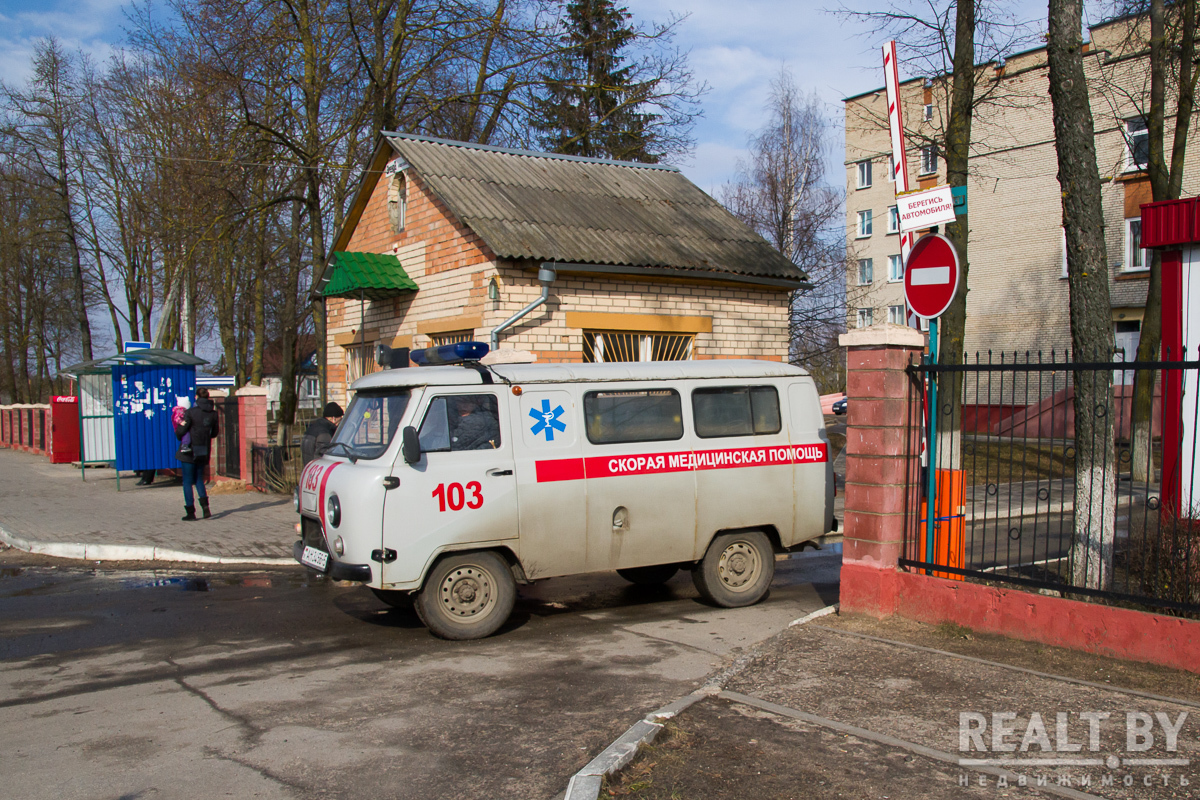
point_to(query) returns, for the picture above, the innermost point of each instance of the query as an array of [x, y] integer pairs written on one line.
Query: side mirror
[[410, 445]]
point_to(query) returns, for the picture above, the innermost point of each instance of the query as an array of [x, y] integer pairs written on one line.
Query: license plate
[[312, 557]]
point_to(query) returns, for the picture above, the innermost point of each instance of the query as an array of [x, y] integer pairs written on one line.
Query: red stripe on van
[[570, 469], [562, 469]]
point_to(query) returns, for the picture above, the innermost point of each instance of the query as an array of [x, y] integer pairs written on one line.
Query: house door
[[1125, 339]]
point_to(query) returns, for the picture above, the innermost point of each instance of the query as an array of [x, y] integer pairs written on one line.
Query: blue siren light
[[449, 354]]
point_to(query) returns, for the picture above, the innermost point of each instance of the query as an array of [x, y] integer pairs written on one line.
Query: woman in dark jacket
[[202, 423]]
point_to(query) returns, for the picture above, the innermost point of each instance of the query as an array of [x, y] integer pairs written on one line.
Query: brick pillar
[[878, 463], [252, 420]]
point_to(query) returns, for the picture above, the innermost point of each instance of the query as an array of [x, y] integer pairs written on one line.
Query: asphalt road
[[141, 684]]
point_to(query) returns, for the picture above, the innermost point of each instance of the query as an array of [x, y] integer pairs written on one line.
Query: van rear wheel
[[467, 596], [655, 575], [737, 569]]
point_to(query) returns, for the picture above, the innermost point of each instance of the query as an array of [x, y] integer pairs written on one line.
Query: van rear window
[[638, 416], [736, 411]]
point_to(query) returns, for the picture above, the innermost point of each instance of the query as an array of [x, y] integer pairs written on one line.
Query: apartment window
[[866, 271], [1137, 145], [891, 169], [309, 388], [864, 224], [864, 174], [866, 317], [893, 219], [895, 268], [1135, 255], [451, 337], [928, 112], [929, 159], [609, 346], [896, 315]]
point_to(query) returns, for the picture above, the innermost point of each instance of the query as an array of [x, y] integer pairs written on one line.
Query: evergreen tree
[[593, 104]]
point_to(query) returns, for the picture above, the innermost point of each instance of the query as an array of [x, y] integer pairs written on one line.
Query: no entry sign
[[931, 276]]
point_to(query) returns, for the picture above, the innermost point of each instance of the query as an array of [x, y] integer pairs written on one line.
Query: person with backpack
[[200, 425]]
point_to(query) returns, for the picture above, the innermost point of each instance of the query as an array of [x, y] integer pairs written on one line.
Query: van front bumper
[[337, 570]]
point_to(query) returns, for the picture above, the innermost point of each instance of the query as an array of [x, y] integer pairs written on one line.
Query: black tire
[[394, 598], [655, 575], [737, 569], [467, 596]]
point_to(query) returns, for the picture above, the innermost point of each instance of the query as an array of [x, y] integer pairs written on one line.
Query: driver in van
[[474, 426]]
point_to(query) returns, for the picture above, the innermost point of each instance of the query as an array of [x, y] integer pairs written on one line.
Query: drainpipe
[[546, 276]]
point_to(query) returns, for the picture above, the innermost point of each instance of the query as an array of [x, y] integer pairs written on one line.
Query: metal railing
[[275, 468], [1027, 496]]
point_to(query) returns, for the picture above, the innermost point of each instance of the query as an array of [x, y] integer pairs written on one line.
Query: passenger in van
[[475, 425]]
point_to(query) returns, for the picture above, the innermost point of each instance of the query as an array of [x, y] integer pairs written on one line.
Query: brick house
[[1018, 295], [445, 241]]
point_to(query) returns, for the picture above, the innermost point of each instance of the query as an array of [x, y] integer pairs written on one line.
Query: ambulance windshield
[[370, 424]]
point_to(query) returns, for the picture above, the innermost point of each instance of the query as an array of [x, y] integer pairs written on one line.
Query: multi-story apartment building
[[1017, 290]]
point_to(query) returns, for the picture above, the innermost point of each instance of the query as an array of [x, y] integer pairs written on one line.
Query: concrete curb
[[129, 552], [585, 784]]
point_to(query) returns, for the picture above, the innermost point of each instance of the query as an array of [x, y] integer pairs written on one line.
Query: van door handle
[[497, 473], [391, 482]]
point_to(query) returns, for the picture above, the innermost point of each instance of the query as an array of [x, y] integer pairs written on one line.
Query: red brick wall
[[449, 243]]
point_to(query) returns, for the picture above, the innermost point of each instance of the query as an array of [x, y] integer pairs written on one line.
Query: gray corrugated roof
[[554, 208]]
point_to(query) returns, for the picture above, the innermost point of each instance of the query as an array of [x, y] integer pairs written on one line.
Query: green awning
[[370, 275]]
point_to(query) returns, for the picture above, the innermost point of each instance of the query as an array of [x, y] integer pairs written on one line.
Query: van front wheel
[[467, 596], [737, 569]]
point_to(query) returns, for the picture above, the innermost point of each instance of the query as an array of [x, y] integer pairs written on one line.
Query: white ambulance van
[[446, 486]]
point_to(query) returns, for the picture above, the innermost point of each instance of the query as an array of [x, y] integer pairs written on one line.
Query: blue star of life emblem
[[547, 420]]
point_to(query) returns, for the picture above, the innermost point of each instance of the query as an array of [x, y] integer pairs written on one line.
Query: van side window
[[638, 416], [736, 411], [461, 422]]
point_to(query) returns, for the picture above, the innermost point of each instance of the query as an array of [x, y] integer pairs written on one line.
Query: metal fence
[[1025, 496], [275, 468]]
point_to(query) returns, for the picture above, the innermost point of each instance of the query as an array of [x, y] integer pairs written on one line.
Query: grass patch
[[668, 751]]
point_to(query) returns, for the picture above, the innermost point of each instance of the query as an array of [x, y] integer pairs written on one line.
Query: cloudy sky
[[736, 48]]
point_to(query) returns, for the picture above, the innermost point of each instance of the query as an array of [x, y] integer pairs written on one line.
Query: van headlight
[[333, 510]]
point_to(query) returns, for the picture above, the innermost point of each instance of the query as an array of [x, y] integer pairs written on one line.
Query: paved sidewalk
[[47, 508], [846, 707]]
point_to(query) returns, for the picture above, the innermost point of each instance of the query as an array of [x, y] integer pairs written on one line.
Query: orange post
[[949, 542]]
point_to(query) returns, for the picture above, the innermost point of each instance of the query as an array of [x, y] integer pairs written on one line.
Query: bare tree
[[1170, 44], [42, 121], [780, 192], [1087, 275]]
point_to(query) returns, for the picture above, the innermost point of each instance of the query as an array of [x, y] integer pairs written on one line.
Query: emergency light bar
[[449, 354]]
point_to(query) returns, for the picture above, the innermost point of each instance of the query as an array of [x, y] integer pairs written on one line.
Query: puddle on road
[[181, 583]]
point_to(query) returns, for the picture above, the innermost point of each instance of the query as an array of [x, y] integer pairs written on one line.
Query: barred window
[[451, 337], [610, 346], [360, 361]]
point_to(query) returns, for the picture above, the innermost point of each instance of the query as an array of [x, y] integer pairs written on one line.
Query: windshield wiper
[[350, 453]]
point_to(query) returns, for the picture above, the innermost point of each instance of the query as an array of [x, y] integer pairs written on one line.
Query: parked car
[[839, 406]]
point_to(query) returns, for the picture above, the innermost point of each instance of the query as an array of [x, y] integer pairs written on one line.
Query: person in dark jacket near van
[[202, 422], [320, 432]]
